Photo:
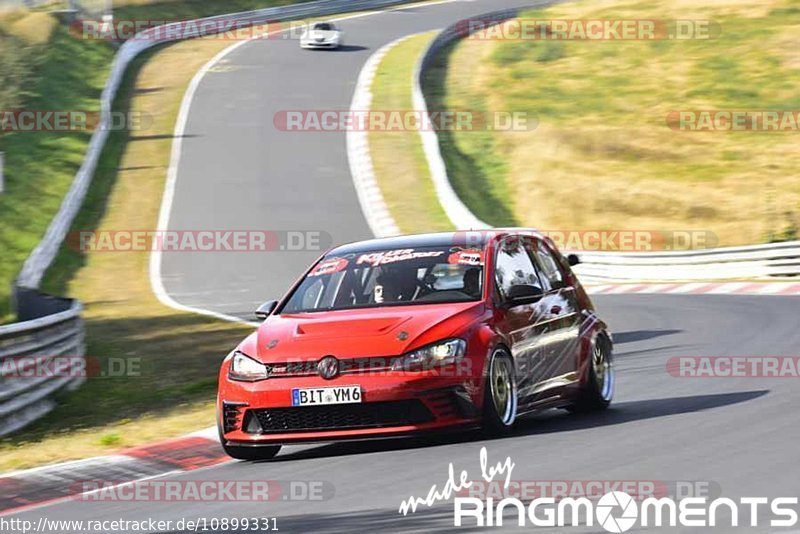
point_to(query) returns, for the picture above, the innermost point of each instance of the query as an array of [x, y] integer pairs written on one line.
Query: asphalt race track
[[739, 435], [237, 172]]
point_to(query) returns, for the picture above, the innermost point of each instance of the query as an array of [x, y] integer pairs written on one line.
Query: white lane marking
[[689, 288], [626, 288], [167, 199], [597, 290], [74, 464], [727, 288], [373, 206], [459, 214], [209, 433], [771, 289]]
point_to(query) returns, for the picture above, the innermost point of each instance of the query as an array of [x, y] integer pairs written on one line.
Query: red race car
[[404, 335]]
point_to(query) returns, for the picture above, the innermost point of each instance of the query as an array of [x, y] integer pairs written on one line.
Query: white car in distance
[[322, 35]]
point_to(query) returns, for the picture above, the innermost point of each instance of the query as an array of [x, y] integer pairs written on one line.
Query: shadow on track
[[343, 48], [545, 423], [641, 335], [439, 519]]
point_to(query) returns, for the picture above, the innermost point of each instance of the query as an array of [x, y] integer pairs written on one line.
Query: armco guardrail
[[26, 386], [43, 255], [458, 213], [50, 333], [762, 262], [779, 260]]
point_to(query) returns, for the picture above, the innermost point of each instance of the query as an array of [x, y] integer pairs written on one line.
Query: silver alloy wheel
[[603, 371], [503, 388]]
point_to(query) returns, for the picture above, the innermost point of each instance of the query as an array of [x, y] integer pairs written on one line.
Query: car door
[[523, 324], [560, 314]]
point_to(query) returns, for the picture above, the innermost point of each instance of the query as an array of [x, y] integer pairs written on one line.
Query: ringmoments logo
[[618, 511], [615, 511]]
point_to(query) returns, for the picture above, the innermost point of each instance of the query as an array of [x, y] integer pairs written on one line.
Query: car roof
[[470, 238]]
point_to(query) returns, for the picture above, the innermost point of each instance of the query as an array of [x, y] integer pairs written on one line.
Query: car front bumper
[[319, 44], [261, 413]]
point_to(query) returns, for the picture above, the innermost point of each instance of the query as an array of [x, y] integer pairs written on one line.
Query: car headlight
[[437, 354], [246, 369]]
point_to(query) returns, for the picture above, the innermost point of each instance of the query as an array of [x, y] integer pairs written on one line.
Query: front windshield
[[421, 275], [323, 26]]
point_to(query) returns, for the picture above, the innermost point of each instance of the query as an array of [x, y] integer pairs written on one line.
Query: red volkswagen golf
[[404, 335]]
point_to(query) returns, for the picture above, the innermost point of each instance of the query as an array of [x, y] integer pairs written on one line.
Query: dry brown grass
[[399, 161], [603, 157], [179, 352]]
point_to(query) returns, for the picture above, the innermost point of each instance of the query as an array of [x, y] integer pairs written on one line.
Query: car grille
[[342, 417], [348, 366], [231, 412]]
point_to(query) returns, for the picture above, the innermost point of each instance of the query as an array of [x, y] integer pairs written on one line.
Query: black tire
[[500, 397], [261, 452], [598, 388]]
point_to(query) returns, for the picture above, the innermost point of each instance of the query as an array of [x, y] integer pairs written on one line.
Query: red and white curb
[[370, 197], [31, 488], [697, 288]]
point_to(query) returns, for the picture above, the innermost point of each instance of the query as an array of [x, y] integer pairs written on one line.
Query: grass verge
[[603, 157], [397, 156], [172, 356], [45, 66], [61, 74]]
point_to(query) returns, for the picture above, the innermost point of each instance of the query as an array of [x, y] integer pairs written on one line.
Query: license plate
[[330, 395]]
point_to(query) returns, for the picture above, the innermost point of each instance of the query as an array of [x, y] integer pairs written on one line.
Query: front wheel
[[265, 452], [500, 397], [598, 390]]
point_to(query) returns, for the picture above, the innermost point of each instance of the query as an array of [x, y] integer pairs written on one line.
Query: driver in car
[[396, 285]]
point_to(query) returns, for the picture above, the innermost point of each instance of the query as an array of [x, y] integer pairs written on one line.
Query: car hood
[[389, 331]]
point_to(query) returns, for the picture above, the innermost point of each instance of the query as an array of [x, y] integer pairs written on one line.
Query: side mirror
[[266, 309], [524, 294], [573, 260]]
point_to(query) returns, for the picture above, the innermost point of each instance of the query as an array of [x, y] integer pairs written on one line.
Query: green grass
[[603, 156], [179, 353], [40, 166], [473, 158], [67, 74], [191, 9], [399, 161]]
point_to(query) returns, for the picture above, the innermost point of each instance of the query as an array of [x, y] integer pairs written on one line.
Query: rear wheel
[[500, 398], [598, 390]]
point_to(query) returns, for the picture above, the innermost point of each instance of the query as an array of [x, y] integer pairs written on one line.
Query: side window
[[514, 267], [548, 266]]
